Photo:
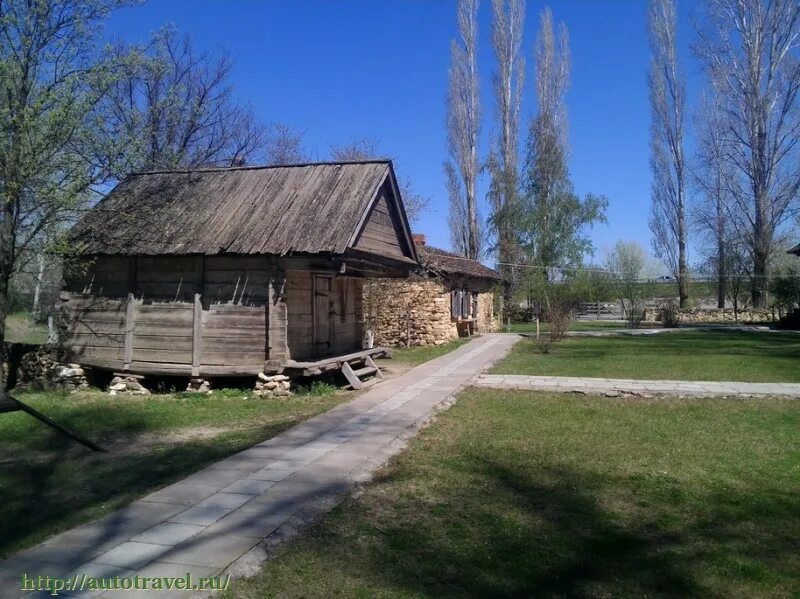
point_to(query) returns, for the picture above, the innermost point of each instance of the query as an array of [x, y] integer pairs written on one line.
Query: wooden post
[[537, 327], [197, 315], [130, 313], [277, 320]]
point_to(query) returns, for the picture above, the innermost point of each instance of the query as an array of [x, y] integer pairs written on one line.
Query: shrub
[[790, 322], [634, 315], [316, 388], [558, 318], [668, 315]]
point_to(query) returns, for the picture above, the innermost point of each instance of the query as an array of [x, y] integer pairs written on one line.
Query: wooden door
[[322, 314]]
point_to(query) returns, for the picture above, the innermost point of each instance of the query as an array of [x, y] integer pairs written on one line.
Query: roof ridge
[[212, 169]]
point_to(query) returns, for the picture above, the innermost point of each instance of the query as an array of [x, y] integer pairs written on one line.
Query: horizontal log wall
[[197, 315], [171, 315]]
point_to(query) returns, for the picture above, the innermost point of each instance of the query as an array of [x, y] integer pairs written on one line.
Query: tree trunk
[[721, 282], [683, 275], [37, 292], [760, 277], [6, 265], [508, 291]]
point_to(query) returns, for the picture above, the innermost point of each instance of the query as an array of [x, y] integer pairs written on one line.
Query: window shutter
[[465, 304], [455, 303]]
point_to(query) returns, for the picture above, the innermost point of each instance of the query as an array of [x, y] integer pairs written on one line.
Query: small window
[[463, 304]]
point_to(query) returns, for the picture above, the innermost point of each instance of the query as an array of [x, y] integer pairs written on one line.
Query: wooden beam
[[130, 313], [277, 321], [197, 316], [351, 377]]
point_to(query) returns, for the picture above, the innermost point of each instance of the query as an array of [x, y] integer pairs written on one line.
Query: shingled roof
[[441, 262], [305, 208]]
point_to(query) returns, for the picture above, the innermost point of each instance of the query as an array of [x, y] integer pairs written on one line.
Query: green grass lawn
[[20, 328], [530, 495], [49, 483], [423, 353], [684, 355], [575, 325]]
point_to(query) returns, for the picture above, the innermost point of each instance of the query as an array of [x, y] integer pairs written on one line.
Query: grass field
[[20, 328], [48, 483], [575, 325], [750, 356], [423, 353], [530, 495]]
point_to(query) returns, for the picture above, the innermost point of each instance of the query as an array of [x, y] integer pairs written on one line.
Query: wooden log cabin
[[233, 271]]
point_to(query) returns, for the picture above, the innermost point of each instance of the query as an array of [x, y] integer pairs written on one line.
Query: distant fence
[[600, 310]]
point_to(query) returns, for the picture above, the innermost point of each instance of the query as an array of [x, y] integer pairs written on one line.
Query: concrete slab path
[[570, 384], [229, 514]]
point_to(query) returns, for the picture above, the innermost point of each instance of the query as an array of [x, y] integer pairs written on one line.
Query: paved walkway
[[570, 384], [227, 515]]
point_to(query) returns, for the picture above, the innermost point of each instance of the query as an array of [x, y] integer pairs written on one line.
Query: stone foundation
[[41, 370], [274, 385], [417, 312], [198, 385], [127, 385]]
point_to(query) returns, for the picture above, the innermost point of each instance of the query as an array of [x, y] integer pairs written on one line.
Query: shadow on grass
[[45, 493], [497, 533]]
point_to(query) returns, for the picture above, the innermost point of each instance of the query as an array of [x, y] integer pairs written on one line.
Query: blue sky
[[378, 69]]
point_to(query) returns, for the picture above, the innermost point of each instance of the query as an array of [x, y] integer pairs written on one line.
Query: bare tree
[[174, 107], [710, 175], [364, 148], [358, 148], [463, 123], [508, 20], [284, 145], [667, 103], [751, 49]]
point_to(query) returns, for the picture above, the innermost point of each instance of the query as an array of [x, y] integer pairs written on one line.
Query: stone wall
[[699, 315], [41, 369], [488, 321], [417, 312]]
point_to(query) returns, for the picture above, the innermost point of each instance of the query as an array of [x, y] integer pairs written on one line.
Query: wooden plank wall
[[95, 328], [107, 277], [299, 301], [345, 314], [234, 311], [383, 232], [165, 331], [162, 328]]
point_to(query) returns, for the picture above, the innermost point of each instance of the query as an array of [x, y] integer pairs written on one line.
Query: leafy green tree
[[553, 221], [52, 76]]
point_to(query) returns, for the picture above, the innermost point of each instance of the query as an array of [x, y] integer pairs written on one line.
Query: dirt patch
[[120, 445], [392, 369], [144, 442]]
